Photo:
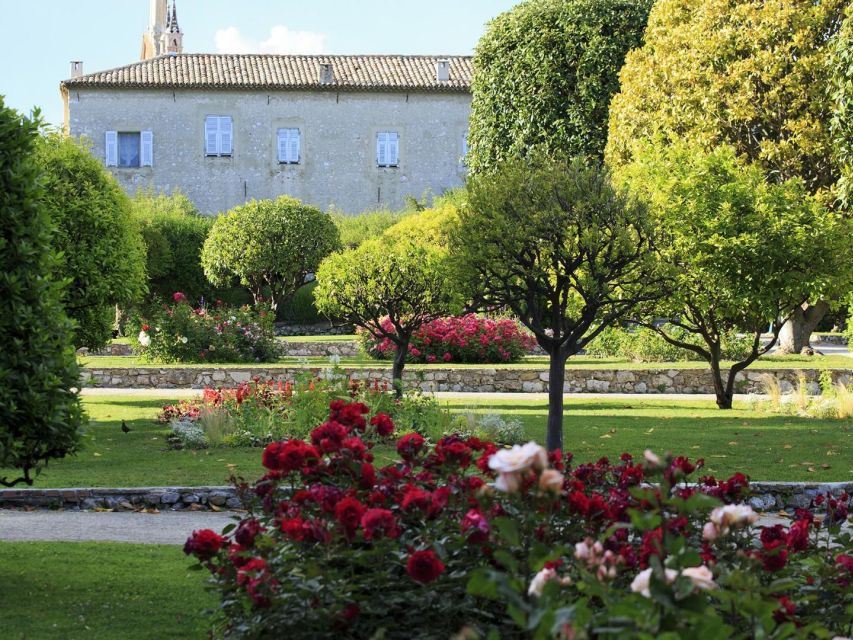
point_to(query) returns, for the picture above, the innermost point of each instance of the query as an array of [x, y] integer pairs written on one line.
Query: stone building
[[351, 132]]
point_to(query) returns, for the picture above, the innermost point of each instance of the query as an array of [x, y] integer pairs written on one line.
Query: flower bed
[[463, 537], [179, 332], [464, 339]]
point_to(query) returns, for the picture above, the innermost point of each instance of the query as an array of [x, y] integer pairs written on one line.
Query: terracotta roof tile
[[251, 71]]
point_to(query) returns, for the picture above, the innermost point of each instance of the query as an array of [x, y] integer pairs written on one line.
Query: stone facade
[[337, 164], [479, 379], [346, 349]]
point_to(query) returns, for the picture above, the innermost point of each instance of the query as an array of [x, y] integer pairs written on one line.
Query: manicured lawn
[[94, 591], [529, 362], [767, 447]]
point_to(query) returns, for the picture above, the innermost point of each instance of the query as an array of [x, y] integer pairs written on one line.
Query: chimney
[[327, 74], [442, 70], [76, 68]]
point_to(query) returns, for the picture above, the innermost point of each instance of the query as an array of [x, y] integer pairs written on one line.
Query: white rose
[[519, 458], [508, 482], [183, 339], [733, 515], [641, 582], [651, 458], [144, 339], [582, 550], [701, 577], [551, 481], [537, 585], [710, 532]]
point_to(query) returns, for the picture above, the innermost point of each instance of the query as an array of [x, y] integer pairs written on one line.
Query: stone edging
[[765, 496], [479, 379], [123, 499]]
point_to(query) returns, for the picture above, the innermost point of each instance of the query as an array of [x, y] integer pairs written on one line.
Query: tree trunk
[[397, 369], [796, 333], [556, 378], [722, 391]]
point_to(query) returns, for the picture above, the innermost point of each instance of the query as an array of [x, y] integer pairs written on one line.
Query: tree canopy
[[753, 75], [561, 249], [842, 107], [40, 415], [739, 252], [269, 246], [100, 247], [545, 74]]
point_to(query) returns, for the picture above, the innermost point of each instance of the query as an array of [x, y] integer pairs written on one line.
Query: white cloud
[[281, 40]]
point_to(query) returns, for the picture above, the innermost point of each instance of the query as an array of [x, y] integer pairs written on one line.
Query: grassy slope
[[100, 591], [530, 362], [768, 447]]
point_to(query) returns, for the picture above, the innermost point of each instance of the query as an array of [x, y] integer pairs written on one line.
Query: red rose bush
[[462, 537], [463, 339]]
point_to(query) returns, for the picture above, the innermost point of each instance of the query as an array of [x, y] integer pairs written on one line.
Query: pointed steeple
[[173, 19], [174, 36]]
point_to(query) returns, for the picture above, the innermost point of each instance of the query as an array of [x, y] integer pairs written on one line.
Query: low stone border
[[766, 496], [834, 339], [322, 329], [128, 499], [320, 349], [479, 379]]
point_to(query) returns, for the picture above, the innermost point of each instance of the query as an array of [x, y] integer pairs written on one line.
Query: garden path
[[126, 526]]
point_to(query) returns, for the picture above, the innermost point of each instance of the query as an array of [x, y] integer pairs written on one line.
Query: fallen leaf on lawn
[[831, 453], [807, 464], [733, 442], [97, 455], [810, 469], [720, 456], [788, 446], [824, 466], [650, 430], [695, 446], [606, 435]]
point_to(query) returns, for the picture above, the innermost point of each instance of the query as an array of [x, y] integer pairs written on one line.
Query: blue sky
[[39, 38]]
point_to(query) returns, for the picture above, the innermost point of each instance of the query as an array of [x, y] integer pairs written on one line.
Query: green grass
[[767, 447], [529, 362], [103, 591]]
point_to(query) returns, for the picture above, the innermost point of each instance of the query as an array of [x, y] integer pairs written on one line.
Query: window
[[129, 149], [218, 138], [288, 146], [387, 149]]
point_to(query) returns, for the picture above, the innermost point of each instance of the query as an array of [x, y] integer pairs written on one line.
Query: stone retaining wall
[[345, 349], [833, 339], [322, 329], [480, 379], [127, 499], [765, 496]]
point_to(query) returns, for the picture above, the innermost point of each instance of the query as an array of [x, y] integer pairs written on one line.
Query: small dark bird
[[124, 427]]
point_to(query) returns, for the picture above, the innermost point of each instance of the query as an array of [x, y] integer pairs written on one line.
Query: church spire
[[173, 19], [174, 36]]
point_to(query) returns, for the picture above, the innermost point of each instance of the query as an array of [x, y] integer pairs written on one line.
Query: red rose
[[775, 556], [379, 522], [368, 476], [798, 536], [204, 544], [247, 531], [424, 566], [415, 498], [383, 423], [349, 512], [410, 445], [178, 297], [329, 436], [145, 327], [475, 526], [348, 414]]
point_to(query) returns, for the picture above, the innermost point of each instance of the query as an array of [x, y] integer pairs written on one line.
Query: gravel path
[[125, 526], [120, 526]]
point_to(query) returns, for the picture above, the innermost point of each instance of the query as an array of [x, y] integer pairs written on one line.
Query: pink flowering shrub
[[468, 338], [462, 537], [179, 332]]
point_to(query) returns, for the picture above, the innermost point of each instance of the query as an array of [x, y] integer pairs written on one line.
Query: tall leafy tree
[[842, 108], [753, 75], [563, 250], [545, 73], [40, 414], [740, 252], [98, 240]]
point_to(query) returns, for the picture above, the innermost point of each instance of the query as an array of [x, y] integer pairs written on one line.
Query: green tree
[[40, 415], [269, 246], [753, 75], [174, 233], [545, 73], [740, 252], [100, 246], [842, 107], [560, 248], [407, 282]]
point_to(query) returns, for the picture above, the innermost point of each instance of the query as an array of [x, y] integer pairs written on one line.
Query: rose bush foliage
[[461, 537], [181, 332], [468, 338]]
